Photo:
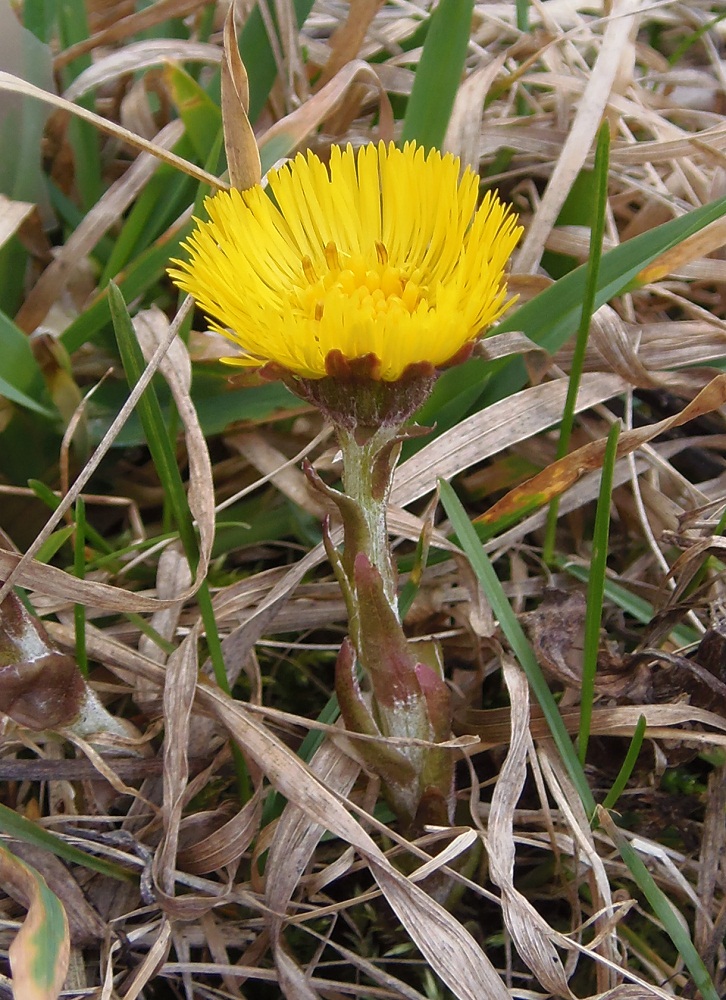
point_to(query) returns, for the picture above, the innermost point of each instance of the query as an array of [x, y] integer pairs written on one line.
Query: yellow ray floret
[[382, 253]]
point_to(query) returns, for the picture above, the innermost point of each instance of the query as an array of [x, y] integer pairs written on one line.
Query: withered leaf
[[40, 687]]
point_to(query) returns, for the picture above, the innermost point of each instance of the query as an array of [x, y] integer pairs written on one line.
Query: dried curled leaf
[[239, 140], [40, 687]]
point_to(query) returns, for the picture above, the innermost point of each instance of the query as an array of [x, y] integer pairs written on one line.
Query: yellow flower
[[382, 253]]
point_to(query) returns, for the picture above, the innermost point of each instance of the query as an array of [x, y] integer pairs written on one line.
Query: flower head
[[381, 258]]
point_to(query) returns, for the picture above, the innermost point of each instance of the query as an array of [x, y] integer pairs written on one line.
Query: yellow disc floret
[[382, 253]]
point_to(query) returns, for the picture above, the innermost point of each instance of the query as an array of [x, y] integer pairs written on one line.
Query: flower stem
[[367, 476]]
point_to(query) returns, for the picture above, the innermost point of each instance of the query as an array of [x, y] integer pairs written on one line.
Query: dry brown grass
[[237, 901]]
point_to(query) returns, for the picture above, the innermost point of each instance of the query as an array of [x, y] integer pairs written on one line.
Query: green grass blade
[[637, 607], [602, 164], [258, 57], [17, 396], [662, 907], [552, 316], [54, 543], [21, 380], [46, 495], [161, 448], [39, 17], [439, 73], [596, 590], [15, 825], [202, 117], [694, 37], [164, 458], [629, 763], [79, 570], [84, 138], [516, 638]]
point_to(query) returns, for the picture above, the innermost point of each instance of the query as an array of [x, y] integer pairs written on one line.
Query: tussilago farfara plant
[[354, 283]]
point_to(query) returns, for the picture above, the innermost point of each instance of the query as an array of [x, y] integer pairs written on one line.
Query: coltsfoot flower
[[380, 261]]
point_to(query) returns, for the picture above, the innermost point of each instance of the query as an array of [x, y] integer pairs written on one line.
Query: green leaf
[[439, 73], [39, 17], [516, 638], [258, 56], [15, 825], [201, 115], [21, 381], [596, 590], [629, 763], [553, 316], [599, 211], [663, 909]]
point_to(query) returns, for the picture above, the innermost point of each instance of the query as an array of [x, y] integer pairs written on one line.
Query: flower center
[[372, 287]]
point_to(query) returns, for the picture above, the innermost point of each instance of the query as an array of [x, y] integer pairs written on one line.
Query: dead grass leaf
[[290, 131], [243, 157], [12, 215], [123, 27], [137, 56], [446, 945], [560, 475], [532, 935], [15, 85], [490, 431], [623, 20], [463, 133], [104, 214]]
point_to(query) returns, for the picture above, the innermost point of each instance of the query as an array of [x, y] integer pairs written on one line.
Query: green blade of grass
[[84, 138], [15, 825], [602, 164], [438, 74], [549, 320], [161, 448], [39, 17], [662, 907], [637, 607], [631, 757], [46, 495], [694, 37], [596, 590], [79, 570], [552, 316], [20, 398], [516, 638], [21, 380], [162, 452], [258, 56], [54, 543]]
